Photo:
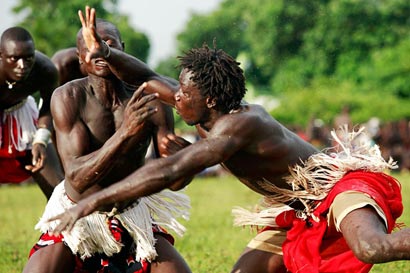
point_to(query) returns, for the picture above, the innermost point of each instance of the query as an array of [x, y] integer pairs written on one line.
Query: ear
[[79, 58], [210, 103]]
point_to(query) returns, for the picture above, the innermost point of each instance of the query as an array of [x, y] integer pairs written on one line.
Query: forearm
[[133, 71], [128, 68], [151, 178], [87, 170]]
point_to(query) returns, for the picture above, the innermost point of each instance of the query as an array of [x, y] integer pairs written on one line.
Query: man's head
[[109, 33], [217, 75], [17, 53]]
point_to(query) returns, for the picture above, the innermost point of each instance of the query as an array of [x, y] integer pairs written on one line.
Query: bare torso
[[265, 149], [98, 122]]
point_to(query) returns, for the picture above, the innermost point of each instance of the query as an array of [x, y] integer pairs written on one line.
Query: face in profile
[[189, 102], [17, 59]]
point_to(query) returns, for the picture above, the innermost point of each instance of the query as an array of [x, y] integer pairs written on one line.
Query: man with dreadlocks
[[325, 212]]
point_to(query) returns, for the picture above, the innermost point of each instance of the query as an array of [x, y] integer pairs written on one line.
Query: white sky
[[161, 20]]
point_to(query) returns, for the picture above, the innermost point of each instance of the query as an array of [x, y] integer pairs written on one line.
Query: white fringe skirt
[[91, 234]]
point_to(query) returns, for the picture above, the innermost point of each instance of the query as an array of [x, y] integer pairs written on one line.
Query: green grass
[[211, 243]]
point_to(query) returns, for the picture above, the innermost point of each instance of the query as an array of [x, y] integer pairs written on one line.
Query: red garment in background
[[308, 249], [11, 170]]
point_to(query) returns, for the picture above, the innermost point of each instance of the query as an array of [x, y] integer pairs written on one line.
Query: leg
[[366, 235], [259, 261], [52, 173], [51, 259], [168, 260]]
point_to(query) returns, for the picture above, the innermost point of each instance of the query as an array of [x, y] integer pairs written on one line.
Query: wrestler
[[103, 129], [305, 190], [25, 149]]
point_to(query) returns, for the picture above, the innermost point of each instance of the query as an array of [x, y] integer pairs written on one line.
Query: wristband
[[42, 136]]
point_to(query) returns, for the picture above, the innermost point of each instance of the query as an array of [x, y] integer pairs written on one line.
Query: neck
[[107, 91]]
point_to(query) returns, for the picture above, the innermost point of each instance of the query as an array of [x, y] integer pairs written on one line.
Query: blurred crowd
[[392, 137]]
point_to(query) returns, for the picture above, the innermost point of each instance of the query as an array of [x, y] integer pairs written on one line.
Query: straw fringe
[[312, 180], [91, 234]]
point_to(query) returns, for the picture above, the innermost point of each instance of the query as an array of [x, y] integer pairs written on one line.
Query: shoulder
[[70, 92], [65, 56], [248, 116], [44, 65]]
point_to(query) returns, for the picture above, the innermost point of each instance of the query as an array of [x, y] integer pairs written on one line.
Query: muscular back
[[255, 147]]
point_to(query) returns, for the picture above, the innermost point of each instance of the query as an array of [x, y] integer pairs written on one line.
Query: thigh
[[258, 261], [51, 259], [168, 259]]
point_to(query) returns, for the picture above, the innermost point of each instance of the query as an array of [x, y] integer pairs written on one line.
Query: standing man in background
[[25, 147]]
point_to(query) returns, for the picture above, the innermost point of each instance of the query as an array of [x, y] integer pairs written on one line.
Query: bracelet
[[109, 50], [42, 136]]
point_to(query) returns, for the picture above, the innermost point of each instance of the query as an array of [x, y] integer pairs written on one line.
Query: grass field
[[210, 245]]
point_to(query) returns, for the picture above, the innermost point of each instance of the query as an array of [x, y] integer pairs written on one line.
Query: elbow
[[75, 183], [371, 252]]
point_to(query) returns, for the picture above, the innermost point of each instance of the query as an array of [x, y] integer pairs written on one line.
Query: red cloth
[[11, 170], [308, 249], [100, 263]]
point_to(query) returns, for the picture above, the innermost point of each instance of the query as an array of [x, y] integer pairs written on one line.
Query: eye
[[13, 59]]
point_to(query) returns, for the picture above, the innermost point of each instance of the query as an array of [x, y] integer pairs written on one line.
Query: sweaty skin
[[247, 142], [103, 130], [30, 71]]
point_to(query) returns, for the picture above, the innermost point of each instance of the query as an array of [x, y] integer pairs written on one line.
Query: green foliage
[[292, 47], [54, 24], [325, 97], [211, 243]]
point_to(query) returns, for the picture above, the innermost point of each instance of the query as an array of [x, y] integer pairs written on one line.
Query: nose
[[21, 63]]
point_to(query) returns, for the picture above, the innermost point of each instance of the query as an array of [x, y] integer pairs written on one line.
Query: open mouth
[[100, 63]]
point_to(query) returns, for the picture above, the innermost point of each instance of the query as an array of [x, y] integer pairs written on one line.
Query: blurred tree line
[[55, 24], [311, 57], [314, 57]]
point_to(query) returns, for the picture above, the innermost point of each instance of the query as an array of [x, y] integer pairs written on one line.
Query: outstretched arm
[[124, 66], [154, 176]]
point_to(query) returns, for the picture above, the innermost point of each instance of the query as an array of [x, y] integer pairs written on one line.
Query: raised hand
[[96, 46], [137, 111]]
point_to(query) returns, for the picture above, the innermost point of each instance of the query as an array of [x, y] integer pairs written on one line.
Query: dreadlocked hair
[[217, 75]]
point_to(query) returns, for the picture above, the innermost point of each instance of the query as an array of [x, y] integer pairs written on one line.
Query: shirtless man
[[103, 130], [25, 150], [348, 189]]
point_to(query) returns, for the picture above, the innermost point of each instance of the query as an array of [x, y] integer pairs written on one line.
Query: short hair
[[16, 34], [100, 21], [217, 75]]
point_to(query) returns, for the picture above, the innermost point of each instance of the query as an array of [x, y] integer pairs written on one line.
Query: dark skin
[[31, 71], [68, 65], [252, 146], [103, 130]]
